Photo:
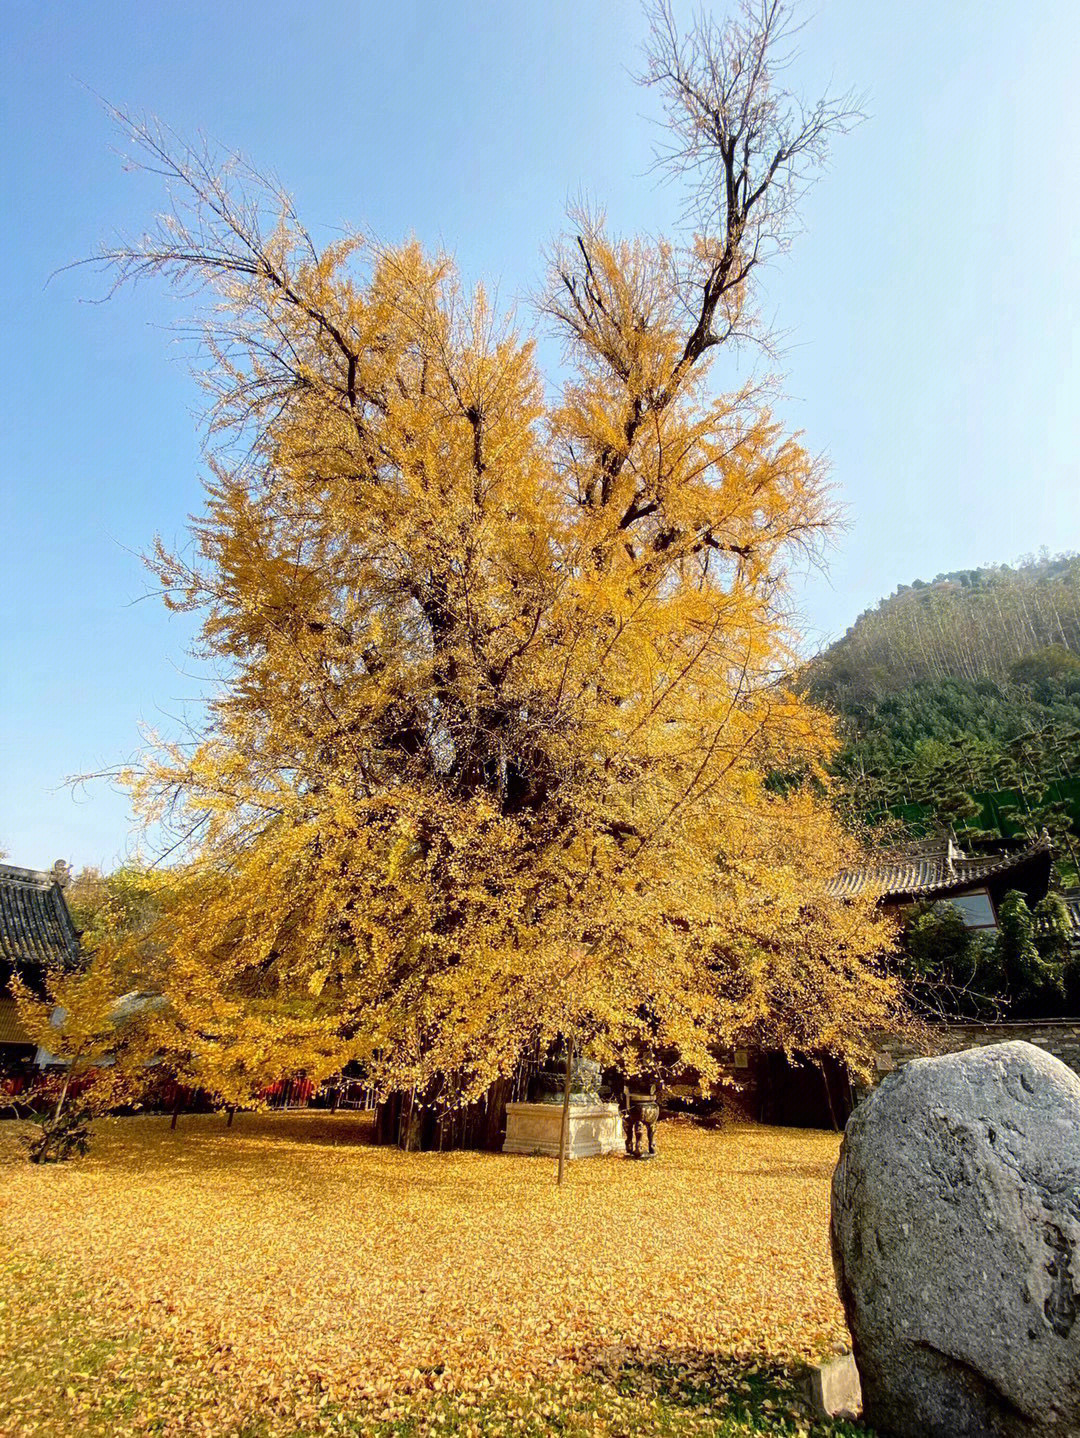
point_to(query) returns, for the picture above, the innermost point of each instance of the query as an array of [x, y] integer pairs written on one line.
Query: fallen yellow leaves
[[286, 1272]]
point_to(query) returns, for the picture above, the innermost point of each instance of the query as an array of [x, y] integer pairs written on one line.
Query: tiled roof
[[35, 926], [935, 866]]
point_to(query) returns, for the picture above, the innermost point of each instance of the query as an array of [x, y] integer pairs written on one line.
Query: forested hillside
[[974, 624], [960, 703]]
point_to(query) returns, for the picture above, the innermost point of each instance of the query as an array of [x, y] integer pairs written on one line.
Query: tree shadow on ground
[[295, 1149], [620, 1393], [303, 1128], [729, 1393], [315, 1126], [207, 1139]]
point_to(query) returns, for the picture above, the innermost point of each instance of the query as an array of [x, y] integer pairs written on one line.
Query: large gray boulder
[[956, 1241]]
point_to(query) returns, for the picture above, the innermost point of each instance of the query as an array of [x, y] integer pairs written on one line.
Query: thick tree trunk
[[828, 1095], [410, 1131]]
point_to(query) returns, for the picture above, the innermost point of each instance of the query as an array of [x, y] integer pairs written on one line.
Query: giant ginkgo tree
[[504, 748]]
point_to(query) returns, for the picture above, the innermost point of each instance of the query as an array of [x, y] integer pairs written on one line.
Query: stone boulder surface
[[956, 1242]]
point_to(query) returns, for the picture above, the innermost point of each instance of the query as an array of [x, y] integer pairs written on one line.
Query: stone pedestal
[[536, 1128], [835, 1391]]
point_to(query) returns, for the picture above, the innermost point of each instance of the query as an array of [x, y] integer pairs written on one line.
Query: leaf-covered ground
[[285, 1277]]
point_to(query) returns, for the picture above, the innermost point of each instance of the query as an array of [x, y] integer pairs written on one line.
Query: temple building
[[933, 869], [820, 1093], [36, 933]]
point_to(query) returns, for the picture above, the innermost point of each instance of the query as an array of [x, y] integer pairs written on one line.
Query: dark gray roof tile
[[931, 867], [35, 925]]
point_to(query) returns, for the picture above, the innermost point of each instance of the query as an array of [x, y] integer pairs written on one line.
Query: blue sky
[[931, 310]]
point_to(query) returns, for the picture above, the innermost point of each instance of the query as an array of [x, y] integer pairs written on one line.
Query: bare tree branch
[[749, 148]]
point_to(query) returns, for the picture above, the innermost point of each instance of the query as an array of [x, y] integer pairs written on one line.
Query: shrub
[[60, 1135], [1025, 967]]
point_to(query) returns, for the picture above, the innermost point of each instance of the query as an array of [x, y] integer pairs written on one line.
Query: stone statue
[[641, 1114], [549, 1084]]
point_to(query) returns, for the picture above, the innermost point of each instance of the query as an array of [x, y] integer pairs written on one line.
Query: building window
[[976, 909]]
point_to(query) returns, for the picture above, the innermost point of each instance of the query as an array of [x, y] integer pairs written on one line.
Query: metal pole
[[564, 1131]]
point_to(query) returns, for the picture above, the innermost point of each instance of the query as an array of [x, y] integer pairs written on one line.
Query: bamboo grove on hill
[[975, 626], [504, 668]]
